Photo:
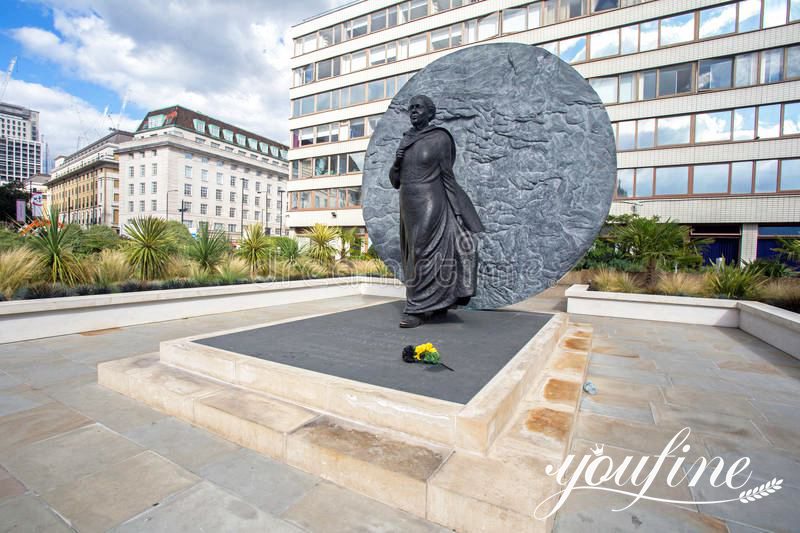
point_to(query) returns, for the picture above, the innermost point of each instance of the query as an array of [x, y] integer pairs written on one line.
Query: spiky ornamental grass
[[255, 247], [149, 248], [208, 249], [53, 244], [321, 246]]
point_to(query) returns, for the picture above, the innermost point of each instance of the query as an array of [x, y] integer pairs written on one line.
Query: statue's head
[[421, 111]]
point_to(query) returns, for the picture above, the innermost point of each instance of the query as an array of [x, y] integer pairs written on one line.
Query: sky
[[78, 59]]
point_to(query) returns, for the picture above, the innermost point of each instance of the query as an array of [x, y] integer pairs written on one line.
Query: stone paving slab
[[29, 513]]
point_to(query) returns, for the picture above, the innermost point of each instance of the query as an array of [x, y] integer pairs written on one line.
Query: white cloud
[[67, 122], [227, 59]]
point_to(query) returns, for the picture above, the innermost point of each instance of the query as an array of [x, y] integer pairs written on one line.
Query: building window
[[232, 212], [130, 207], [218, 210], [203, 175], [199, 125], [719, 20], [771, 65], [742, 177], [673, 130], [677, 29], [220, 178], [232, 196], [186, 206], [187, 155], [644, 182], [203, 209], [232, 228], [769, 117], [710, 179], [203, 192], [746, 67], [187, 172], [710, 127], [187, 189], [218, 194], [766, 176], [672, 180], [233, 181], [153, 169], [572, 50], [153, 187], [130, 189], [141, 206], [675, 80], [153, 205], [715, 74], [604, 44], [141, 188], [790, 174], [744, 124]]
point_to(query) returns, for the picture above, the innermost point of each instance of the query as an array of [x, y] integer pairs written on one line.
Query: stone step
[[389, 468]]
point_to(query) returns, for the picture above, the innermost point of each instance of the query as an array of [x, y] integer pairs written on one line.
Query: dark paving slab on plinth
[[366, 345]]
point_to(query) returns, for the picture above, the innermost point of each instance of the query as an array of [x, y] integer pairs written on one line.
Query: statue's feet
[[410, 321]]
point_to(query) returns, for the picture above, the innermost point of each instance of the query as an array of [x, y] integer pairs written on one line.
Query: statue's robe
[[439, 253]]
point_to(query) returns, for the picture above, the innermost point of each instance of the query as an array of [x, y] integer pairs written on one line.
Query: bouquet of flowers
[[423, 353]]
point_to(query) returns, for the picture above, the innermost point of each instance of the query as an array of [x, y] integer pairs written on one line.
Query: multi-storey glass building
[[20, 145], [704, 97]]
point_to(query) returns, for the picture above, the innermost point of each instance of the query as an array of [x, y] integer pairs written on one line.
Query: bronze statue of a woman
[[437, 220]]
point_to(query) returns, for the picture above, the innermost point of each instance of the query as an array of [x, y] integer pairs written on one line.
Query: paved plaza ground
[[75, 456]]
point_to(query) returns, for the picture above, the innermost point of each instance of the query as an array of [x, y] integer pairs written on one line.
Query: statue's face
[[418, 113]]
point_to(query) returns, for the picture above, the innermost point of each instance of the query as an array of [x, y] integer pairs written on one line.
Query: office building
[[20, 144], [187, 166], [85, 186], [704, 98]]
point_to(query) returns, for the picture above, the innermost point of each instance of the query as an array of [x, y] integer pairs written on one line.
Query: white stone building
[[183, 165], [20, 144], [704, 97]]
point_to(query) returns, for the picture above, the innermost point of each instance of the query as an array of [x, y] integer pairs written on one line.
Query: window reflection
[[605, 44], [744, 124], [629, 40], [572, 50], [644, 182], [766, 175], [749, 15], [677, 29], [790, 174], [625, 182], [648, 35], [673, 130], [742, 177], [646, 134], [626, 138], [672, 180], [710, 179], [769, 121], [675, 80], [771, 65], [710, 127], [715, 74], [791, 119], [606, 89], [746, 69], [774, 13], [717, 21]]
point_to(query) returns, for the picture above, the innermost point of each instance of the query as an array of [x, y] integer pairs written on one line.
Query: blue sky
[[229, 59]]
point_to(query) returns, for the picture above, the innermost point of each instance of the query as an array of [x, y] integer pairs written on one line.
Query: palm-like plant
[[289, 250], [255, 247], [350, 244], [789, 248], [731, 281], [209, 248], [54, 246], [650, 241], [321, 243], [149, 249]]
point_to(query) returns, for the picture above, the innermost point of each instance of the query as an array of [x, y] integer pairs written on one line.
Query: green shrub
[[95, 239], [233, 269], [180, 237], [773, 268], [111, 266], [9, 239], [321, 243], [681, 284], [737, 283], [150, 246], [607, 280]]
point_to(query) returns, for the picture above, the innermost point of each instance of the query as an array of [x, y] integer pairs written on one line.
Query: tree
[[9, 194], [180, 237], [650, 241], [95, 239], [350, 244]]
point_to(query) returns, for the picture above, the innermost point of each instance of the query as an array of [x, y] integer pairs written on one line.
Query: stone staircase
[[457, 488]]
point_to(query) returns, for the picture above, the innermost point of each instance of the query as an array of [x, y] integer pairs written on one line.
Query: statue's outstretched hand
[[399, 155]]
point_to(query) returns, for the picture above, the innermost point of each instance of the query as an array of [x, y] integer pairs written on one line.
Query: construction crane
[[7, 78], [122, 108]]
